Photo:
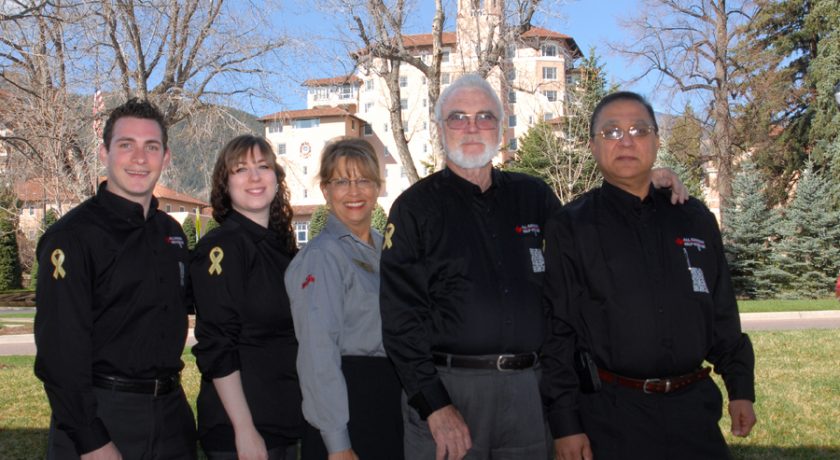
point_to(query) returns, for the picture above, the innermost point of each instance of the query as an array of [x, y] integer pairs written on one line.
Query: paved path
[[24, 344]]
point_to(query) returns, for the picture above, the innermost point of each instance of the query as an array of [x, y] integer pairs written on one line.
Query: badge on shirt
[[389, 232], [216, 256], [537, 260], [528, 229], [309, 280], [698, 280], [175, 240], [57, 259], [182, 271], [365, 266]]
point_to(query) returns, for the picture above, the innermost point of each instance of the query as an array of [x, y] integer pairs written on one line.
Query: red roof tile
[[539, 32], [332, 81], [348, 110], [169, 194]]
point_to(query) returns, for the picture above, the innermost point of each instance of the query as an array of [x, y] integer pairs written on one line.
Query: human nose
[[472, 125], [626, 138]]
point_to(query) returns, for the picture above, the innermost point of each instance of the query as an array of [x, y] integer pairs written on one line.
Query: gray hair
[[469, 81]]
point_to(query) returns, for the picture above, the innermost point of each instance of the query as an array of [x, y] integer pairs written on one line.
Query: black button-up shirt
[[112, 299], [644, 286], [462, 273], [244, 324]]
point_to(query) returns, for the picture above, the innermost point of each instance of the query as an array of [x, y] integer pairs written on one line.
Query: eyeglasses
[[614, 133], [483, 120], [343, 184]]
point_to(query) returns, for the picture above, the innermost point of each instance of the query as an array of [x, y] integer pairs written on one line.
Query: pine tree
[[379, 219], [808, 252], [189, 231], [318, 221], [10, 269], [664, 158], [210, 225], [748, 236]]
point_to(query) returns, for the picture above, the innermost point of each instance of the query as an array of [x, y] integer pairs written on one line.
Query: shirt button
[[493, 235], [506, 290]]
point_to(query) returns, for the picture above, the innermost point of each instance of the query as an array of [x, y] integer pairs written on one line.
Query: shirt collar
[[337, 228], [255, 230], [496, 180], [626, 200], [126, 209]]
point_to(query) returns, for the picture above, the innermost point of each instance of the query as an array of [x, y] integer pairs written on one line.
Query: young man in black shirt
[[639, 295], [112, 309]]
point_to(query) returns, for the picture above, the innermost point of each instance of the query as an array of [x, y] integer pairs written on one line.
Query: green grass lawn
[[798, 400], [756, 306]]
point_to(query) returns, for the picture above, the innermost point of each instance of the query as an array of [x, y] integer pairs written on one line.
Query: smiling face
[[470, 147], [627, 162], [351, 203], [134, 159], [252, 185]]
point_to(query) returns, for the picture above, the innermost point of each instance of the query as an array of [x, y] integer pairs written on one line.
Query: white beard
[[472, 161]]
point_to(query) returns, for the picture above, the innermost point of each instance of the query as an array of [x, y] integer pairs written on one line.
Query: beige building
[[532, 84]]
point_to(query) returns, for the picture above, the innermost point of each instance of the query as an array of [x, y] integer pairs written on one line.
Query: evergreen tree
[[49, 218], [749, 233], [808, 252], [211, 224], [189, 231], [683, 153], [318, 221], [379, 219], [10, 269], [686, 173]]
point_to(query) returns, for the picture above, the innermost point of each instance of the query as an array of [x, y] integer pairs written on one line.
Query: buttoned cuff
[[740, 387], [89, 438], [336, 441], [430, 399], [564, 423]]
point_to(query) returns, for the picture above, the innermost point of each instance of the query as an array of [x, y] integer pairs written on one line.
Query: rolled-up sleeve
[[316, 289]]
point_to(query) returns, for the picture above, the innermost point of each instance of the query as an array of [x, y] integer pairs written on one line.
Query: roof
[[342, 111], [539, 32], [37, 190], [305, 210], [333, 81], [418, 40], [167, 193]]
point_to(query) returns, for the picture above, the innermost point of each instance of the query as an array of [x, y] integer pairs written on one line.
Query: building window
[[548, 116], [444, 78], [549, 50], [369, 85], [511, 121], [511, 74], [319, 94], [168, 208], [549, 73], [551, 95], [425, 148], [403, 81], [512, 96], [385, 127], [302, 232], [305, 170], [510, 51], [387, 152], [402, 172], [368, 106], [423, 80], [307, 123], [31, 210], [367, 129], [425, 102], [305, 193], [403, 104], [512, 145], [346, 92], [181, 209], [445, 56], [281, 149], [425, 125], [275, 127], [352, 124]]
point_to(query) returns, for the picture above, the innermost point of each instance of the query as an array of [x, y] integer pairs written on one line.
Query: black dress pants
[[376, 430], [142, 426]]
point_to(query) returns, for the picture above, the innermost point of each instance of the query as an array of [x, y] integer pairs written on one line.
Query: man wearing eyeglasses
[[460, 295], [639, 296]]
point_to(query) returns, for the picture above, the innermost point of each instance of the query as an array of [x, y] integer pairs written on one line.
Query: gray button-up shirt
[[333, 286]]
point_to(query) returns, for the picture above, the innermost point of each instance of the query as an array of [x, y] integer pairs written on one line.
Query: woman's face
[[252, 184], [350, 195]]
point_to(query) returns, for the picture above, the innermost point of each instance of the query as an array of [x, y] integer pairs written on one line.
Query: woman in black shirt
[[249, 402]]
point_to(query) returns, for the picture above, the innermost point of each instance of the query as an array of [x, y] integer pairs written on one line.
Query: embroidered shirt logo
[[309, 279], [175, 240], [57, 259], [216, 256], [389, 233], [687, 242], [528, 229]]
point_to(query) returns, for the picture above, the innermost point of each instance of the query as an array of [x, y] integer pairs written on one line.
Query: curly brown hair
[[280, 211]]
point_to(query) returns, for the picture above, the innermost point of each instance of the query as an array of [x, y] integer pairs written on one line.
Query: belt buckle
[[499, 361], [157, 388], [655, 381]]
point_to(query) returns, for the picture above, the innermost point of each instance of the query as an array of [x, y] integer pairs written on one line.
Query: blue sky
[[589, 22]]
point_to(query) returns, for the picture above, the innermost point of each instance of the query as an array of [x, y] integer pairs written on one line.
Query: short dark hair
[[620, 96], [135, 108]]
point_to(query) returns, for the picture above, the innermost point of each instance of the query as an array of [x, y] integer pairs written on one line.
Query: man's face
[[470, 147], [630, 159], [135, 158]]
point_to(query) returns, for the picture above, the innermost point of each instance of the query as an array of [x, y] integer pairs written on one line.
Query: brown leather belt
[[504, 362], [155, 387], [663, 385]]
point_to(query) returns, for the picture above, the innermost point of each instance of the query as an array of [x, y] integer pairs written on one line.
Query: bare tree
[[689, 45]]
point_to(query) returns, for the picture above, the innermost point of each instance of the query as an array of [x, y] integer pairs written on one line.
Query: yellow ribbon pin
[[389, 232], [57, 259], [216, 256]]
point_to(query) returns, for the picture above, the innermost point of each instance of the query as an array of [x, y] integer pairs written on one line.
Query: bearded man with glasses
[[640, 296], [460, 294]]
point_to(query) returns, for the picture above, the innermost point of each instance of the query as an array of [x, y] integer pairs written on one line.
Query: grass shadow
[[23, 443], [745, 452]]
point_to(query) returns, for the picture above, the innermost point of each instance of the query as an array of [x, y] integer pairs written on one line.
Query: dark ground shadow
[[792, 453], [31, 444]]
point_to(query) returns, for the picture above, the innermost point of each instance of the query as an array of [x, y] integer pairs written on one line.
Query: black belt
[[155, 387], [660, 385], [505, 362]]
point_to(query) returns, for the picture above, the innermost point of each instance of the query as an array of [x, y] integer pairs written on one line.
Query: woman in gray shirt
[[333, 285]]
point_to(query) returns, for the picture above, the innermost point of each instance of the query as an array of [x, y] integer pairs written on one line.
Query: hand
[[743, 417], [343, 455], [107, 452], [249, 444], [451, 434], [665, 178], [572, 447]]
